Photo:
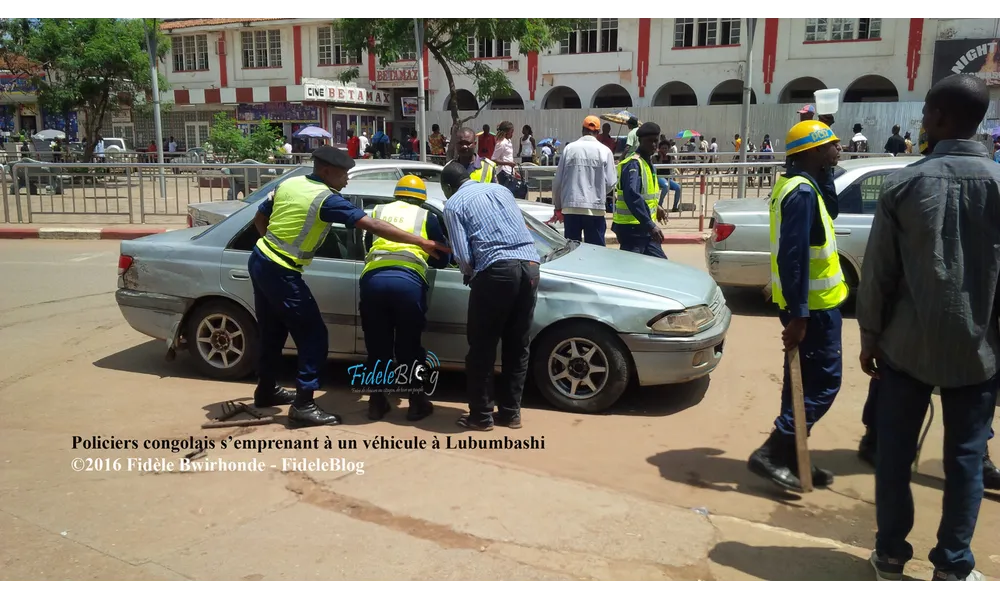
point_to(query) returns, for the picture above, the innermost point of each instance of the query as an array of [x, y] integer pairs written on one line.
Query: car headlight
[[686, 322]]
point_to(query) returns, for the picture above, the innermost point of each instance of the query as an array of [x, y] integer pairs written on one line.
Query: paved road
[[615, 496]]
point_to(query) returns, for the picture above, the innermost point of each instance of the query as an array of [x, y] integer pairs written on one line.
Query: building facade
[[286, 70]]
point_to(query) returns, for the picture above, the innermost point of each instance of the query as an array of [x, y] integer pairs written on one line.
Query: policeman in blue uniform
[[293, 223], [394, 295]]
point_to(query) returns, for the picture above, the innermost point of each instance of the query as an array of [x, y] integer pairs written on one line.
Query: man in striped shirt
[[500, 264]]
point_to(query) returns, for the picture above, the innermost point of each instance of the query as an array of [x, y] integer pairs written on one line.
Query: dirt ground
[[655, 489]]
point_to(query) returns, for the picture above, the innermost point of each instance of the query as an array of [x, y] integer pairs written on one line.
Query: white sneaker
[[973, 576]]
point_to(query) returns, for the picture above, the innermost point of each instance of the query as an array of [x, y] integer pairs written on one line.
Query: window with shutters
[[706, 33], [842, 30], [190, 53], [261, 48]]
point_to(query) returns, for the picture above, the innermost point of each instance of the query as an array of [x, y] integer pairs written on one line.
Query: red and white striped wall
[[242, 95]]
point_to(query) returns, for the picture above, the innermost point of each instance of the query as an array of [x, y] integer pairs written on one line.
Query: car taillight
[[190, 221], [723, 230], [124, 262]]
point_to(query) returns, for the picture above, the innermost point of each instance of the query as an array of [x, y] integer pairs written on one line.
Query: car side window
[[861, 197], [369, 205], [431, 175], [377, 175]]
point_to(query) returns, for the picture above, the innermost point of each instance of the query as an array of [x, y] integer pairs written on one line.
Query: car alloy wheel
[[578, 368], [221, 341]]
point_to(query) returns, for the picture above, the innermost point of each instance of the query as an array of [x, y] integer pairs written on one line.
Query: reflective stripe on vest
[[826, 279], [484, 174], [650, 192], [295, 230], [409, 218]]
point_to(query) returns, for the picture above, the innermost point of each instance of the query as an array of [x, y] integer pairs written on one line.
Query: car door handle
[[842, 231], [239, 275]]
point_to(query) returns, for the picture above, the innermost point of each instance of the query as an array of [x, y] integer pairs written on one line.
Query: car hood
[[683, 284]]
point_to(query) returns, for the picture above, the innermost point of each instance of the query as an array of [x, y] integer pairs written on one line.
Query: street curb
[[75, 233]]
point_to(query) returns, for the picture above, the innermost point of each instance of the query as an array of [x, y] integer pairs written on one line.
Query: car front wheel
[[222, 339], [581, 367]]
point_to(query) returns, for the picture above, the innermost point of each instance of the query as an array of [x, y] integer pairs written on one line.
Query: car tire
[[234, 340], [573, 343]]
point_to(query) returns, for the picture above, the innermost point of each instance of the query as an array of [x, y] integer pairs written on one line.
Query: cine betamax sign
[[970, 57], [348, 95]]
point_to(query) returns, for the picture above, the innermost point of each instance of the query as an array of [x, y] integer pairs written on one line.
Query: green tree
[[447, 42], [229, 143], [93, 65]]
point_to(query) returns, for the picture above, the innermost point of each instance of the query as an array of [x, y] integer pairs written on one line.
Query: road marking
[[84, 257]]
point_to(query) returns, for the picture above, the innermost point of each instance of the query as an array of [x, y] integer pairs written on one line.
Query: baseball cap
[[808, 108], [592, 123]]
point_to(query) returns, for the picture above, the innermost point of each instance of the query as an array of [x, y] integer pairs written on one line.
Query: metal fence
[[134, 193]]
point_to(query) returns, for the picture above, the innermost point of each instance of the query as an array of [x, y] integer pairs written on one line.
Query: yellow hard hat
[[807, 135], [922, 145], [411, 186]]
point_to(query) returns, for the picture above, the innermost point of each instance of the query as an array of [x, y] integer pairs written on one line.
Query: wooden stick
[[799, 414], [237, 423]]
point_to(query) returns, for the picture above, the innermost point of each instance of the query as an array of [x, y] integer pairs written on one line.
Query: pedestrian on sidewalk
[[585, 176], [928, 318], [499, 262], [486, 143], [869, 442], [632, 140], [638, 200], [606, 139], [895, 144], [666, 177], [480, 169], [808, 286]]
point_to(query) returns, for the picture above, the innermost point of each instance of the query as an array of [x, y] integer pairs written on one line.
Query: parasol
[[49, 134], [621, 117], [995, 132], [687, 133], [312, 132], [545, 141]]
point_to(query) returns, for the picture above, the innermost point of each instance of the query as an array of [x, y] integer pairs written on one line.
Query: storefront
[[286, 118], [401, 79], [349, 107], [18, 106]]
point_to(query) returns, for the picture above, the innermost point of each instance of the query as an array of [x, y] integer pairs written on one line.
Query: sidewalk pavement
[[130, 232]]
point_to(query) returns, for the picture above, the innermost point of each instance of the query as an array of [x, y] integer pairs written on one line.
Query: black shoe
[[420, 408], [378, 407], [264, 398], [866, 449], [467, 423], [512, 422], [771, 461], [305, 412], [821, 478], [991, 474]]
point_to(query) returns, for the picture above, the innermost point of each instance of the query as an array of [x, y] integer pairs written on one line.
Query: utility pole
[[745, 118], [155, 83], [418, 26]]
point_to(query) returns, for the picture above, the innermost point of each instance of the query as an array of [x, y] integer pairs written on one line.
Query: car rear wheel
[[222, 339], [581, 367]]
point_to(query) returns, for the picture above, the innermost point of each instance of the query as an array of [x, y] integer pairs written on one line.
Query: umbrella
[[545, 141], [49, 134], [621, 117], [995, 132], [312, 131], [687, 133]]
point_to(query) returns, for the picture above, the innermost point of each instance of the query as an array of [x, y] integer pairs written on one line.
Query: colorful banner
[[277, 111], [410, 106], [52, 121], [11, 84], [971, 57]]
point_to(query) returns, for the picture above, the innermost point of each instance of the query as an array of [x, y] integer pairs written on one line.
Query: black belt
[[284, 259]]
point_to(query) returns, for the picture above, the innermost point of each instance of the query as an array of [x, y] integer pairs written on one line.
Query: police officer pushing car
[[394, 294], [293, 223]]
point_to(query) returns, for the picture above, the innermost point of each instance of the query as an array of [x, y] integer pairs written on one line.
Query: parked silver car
[[604, 318], [739, 251]]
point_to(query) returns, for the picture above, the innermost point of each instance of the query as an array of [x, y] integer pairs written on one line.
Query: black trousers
[[501, 308]]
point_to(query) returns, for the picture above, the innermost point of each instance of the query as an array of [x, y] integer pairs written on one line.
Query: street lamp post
[[745, 117], [418, 27], [155, 84]]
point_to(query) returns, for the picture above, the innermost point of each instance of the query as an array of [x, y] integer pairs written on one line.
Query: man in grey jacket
[[927, 308], [585, 176]]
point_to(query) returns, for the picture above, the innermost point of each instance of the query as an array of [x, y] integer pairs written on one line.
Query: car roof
[[387, 163], [888, 161]]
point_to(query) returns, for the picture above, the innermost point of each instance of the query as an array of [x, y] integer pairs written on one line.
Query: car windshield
[[548, 242]]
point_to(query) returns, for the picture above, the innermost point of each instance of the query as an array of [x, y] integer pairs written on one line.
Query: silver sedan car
[[604, 318], [739, 251]]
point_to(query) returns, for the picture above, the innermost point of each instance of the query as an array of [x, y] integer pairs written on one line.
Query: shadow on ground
[[449, 397], [751, 302], [781, 563]]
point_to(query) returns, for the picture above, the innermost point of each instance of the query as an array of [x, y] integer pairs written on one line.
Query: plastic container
[[827, 101]]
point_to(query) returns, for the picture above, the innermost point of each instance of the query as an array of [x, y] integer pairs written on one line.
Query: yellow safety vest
[[826, 281], [295, 230], [650, 192], [484, 174], [410, 218]]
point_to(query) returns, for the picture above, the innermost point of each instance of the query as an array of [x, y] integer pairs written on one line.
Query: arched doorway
[[466, 100], [561, 97], [800, 91], [612, 96], [871, 88], [675, 93], [730, 92], [511, 101]]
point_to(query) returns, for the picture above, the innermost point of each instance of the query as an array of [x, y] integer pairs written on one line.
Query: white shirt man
[[172, 146], [288, 147], [585, 176], [364, 142]]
